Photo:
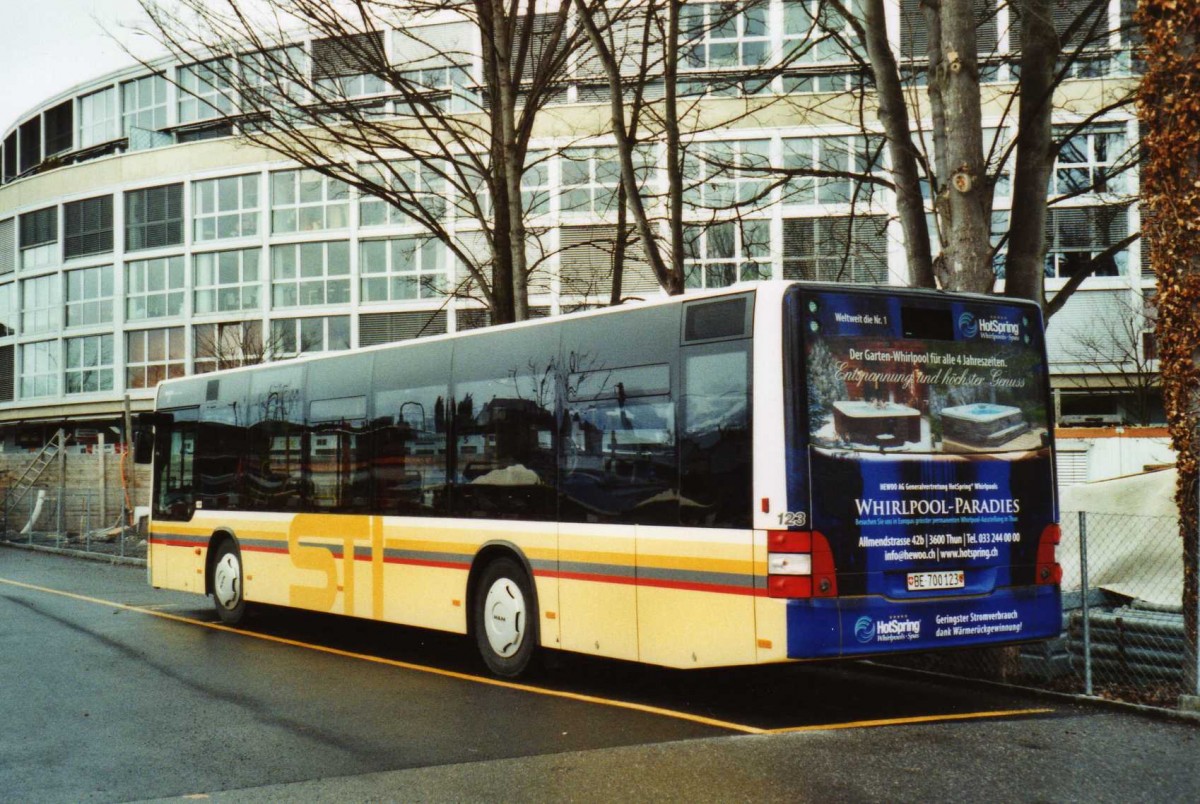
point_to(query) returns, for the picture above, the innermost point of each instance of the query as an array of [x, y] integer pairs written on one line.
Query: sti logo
[[967, 325]]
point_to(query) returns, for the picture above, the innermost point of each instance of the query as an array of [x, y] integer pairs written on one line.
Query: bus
[[773, 472]]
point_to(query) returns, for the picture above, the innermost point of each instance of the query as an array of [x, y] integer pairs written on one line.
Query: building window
[[154, 355], [304, 274], [154, 288], [60, 128], [306, 201], [274, 80], [90, 296], [39, 369], [89, 364], [815, 33], [8, 246], [535, 185], [227, 281], [227, 345], [39, 238], [41, 304], [98, 118], [154, 217], [1076, 236], [722, 175], [88, 227], [347, 66], [1093, 161], [8, 309], [296, 336], [205, 91], [721, 35], [719, 255], [420, 184], [223, 208], [402, 269], [591, 176], [144, 103], [861, 155], [836, 249]]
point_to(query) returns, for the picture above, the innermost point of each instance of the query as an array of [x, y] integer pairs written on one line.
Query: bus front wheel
[[228, 584], [505, 618]]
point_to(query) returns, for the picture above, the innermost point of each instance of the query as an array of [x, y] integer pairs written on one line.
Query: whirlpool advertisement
[[924, 459]]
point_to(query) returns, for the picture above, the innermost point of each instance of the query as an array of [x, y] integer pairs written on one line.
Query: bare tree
[[1117, 352], [317, 83]]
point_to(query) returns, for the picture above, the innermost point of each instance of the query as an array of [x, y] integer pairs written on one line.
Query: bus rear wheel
[[505, 618], [228, 584]]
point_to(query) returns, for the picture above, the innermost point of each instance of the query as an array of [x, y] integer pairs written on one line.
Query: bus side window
[[408, 450], [505, 440], [338, 459], [715, 446], [619, 458]]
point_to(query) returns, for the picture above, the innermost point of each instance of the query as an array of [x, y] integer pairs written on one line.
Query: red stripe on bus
[[660, 584]]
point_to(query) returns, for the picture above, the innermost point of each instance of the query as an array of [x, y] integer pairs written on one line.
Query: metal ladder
[[46, 456]]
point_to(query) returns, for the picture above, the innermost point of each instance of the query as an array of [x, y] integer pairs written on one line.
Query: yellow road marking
[[906, 721], [571, 696]]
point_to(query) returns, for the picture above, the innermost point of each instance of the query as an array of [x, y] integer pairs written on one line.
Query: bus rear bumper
[[870, 625]]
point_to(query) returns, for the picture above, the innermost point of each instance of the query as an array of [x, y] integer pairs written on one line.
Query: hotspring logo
[[989, 329], [896, 629], [864, 630]]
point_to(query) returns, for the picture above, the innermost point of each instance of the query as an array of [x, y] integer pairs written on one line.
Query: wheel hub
[[504, 617], [227, 581]]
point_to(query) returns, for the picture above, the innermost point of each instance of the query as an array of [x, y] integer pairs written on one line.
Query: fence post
[[62, 486], [1195, 646], [1087, 628]]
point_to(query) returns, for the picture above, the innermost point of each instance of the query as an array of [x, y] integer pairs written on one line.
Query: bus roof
[[772, 288]]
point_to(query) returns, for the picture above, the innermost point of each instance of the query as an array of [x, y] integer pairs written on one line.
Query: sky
[[52, 45]]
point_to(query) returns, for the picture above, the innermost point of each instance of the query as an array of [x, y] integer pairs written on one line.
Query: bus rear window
[[888, 374]]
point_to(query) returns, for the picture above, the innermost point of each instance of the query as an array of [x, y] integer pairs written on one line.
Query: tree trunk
[[1024, 271], [674, 153], [965, 196], [893, 113]]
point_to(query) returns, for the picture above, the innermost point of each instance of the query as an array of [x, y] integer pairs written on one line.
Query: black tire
[[228, 583], [505, 618]]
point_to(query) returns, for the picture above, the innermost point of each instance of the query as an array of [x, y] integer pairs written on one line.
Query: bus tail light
[[1048, 570], [800, 564]]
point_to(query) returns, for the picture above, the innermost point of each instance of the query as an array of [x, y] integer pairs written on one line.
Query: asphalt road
[[113, 691]]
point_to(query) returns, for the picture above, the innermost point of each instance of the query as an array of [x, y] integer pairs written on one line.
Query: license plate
[[922, 581]]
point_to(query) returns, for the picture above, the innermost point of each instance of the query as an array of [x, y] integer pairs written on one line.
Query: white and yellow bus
[[775, 472]]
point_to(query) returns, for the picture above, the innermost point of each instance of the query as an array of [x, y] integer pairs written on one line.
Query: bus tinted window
[[619, 447], [274, 441], [715, 450], [338, 456], [409, 461], [504, 435], [174, 482]]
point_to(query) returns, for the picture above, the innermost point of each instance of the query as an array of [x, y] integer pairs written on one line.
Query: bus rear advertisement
[[920, 445], [767, 473]]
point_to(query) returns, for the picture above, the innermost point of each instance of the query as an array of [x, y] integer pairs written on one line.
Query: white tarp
[[1133, 545]]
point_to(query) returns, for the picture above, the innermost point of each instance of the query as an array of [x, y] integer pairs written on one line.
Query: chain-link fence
[[90, 520], [1123, 632]]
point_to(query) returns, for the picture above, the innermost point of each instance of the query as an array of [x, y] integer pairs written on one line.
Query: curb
[[103, 558]]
